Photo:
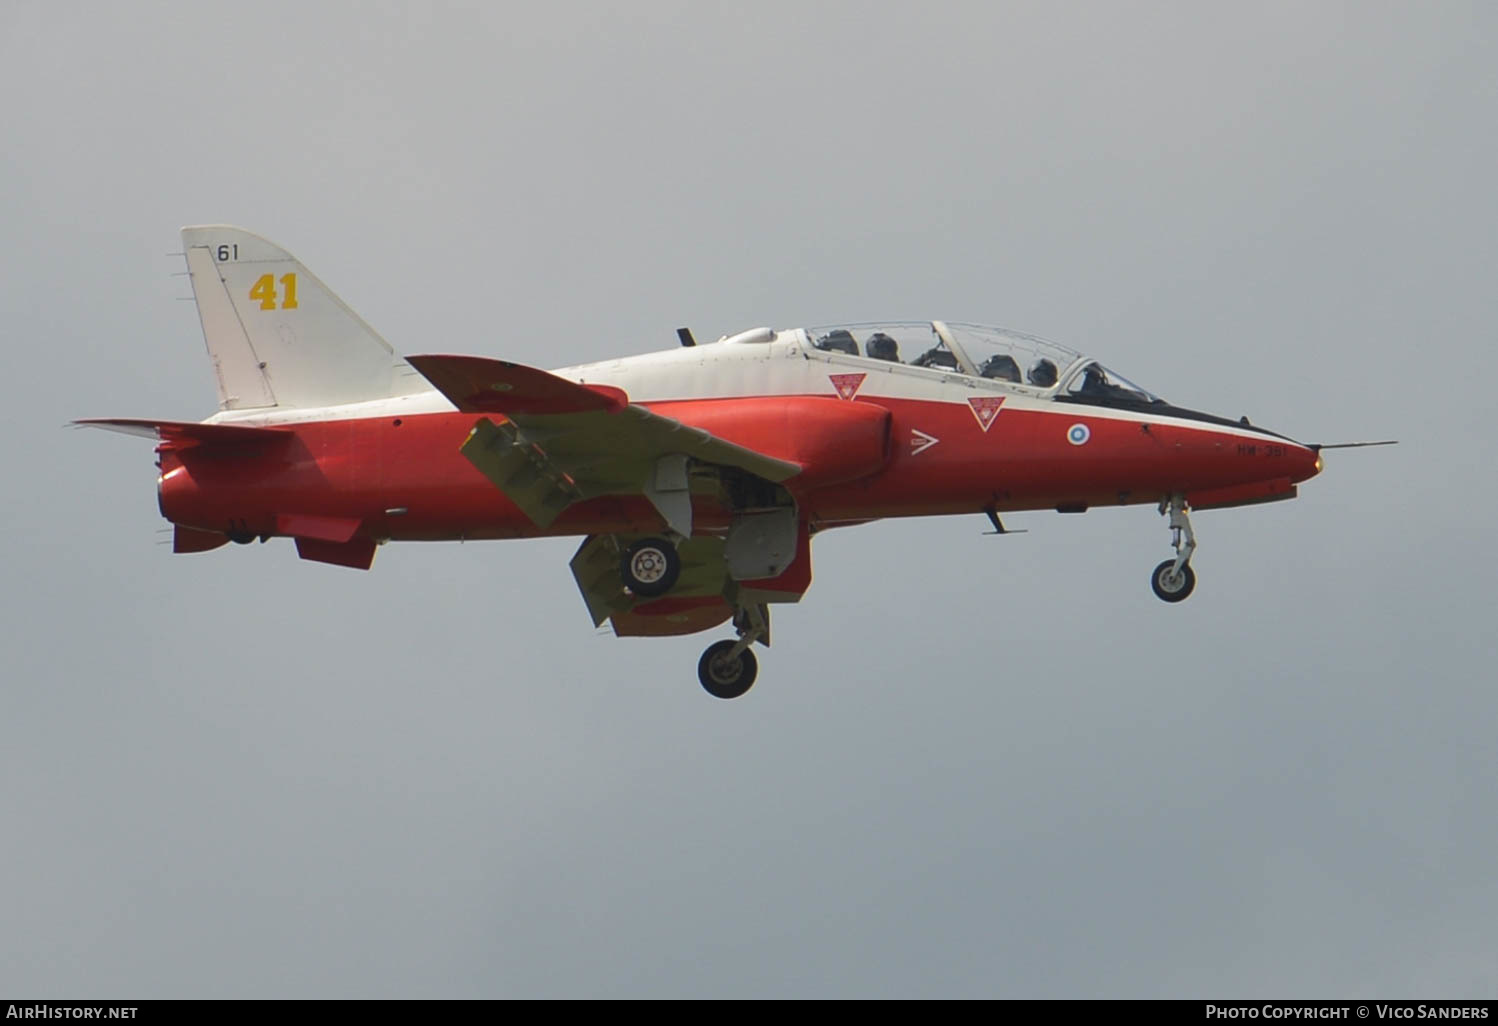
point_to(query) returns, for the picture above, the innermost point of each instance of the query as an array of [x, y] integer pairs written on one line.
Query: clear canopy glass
[[998, 354]]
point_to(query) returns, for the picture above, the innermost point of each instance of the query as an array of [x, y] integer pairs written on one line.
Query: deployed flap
[[475, 384], [169, 430], [546, 463], [277, 335], [524, 472]]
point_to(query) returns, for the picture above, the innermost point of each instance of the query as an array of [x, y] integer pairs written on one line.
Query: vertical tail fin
[[277, 335]]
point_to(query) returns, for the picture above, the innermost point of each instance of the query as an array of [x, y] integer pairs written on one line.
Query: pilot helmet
[[1000, 365], [1043, 373], [881, 347], [838, 340]]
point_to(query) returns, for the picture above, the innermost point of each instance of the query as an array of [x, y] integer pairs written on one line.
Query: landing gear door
[[761, 545]]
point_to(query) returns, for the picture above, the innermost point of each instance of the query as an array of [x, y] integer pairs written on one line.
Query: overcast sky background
[[972, 766]]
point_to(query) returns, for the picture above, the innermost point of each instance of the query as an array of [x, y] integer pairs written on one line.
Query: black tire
[[650, 567], [726, 678], [1171, 587]]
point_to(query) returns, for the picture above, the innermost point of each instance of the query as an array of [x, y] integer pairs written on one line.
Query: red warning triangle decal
[[986, 408], [847, 385]]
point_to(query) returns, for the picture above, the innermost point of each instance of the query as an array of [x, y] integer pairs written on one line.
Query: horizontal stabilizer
[[475, 384], [174, 430]]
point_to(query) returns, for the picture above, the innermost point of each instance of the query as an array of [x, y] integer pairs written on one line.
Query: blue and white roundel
[[1078, 434]]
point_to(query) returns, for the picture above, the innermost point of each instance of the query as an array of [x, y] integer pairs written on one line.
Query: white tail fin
[[277, 335]]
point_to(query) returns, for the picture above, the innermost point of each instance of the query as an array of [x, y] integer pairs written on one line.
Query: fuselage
[[951, 442]]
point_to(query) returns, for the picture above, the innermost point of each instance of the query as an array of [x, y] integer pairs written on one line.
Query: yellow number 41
[[264, 290]]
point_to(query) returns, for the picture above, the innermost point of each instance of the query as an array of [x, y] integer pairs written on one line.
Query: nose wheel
[[1174, 579], [1170, 584], [726, 673]]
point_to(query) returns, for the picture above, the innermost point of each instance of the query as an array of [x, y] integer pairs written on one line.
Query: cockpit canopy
[[998, 354]]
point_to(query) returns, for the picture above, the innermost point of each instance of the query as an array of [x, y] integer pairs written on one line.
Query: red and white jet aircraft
[[696, 476]]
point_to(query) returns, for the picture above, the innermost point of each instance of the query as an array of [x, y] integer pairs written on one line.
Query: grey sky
[[971, 766]]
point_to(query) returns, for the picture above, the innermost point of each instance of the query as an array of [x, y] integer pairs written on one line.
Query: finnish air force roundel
[[986, 408], [846, 384]]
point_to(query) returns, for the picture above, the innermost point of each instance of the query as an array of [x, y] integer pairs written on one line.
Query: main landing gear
[[1174, 579], [650, 567], [728, 668]]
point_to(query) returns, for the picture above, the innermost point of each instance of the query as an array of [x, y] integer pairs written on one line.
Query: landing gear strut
[[1174, 579], [728, 668]]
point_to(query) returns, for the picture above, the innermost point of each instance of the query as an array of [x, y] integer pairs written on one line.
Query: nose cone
[[1305, 462]]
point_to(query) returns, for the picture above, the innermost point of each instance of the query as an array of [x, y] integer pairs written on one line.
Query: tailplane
[[277, 335]]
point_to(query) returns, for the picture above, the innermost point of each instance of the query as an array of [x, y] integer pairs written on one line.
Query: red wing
[[478, 385]]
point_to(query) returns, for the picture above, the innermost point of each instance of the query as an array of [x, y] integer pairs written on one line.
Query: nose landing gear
[[1174, 579], [728, 668]]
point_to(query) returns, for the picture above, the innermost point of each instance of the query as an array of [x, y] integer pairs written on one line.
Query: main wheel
[[650, 567], [724, 677], [1171, 586]]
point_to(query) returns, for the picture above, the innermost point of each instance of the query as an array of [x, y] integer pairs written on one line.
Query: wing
[[547, 443], [558, 442], [475, 384]]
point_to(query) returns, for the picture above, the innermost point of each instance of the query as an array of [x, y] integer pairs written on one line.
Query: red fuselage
[[403, 478]]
